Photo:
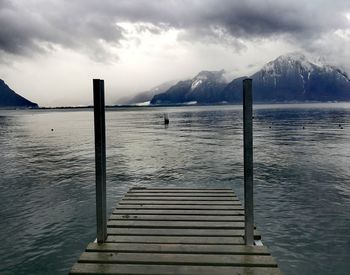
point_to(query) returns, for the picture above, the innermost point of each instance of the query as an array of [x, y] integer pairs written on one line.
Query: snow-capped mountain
[[205, 87], [293, 77], [288, 78]]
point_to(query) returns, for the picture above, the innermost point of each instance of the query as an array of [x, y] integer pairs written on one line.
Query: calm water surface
[[302, 177]]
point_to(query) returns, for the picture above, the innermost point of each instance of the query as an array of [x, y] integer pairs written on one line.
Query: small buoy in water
[[270, 127], [341, 127], [51, 130], [166, 119]]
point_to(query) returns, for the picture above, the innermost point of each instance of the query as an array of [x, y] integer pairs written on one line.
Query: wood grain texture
[[175, 239], [179, 231], [187, 212], [176, 206], [175, 258], [208, 218], [123, 269], [180, 198], [175, 224], [175, 248], [181, 194]]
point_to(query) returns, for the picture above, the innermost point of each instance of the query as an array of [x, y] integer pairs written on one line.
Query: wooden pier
[[182, 231], [176, 231]]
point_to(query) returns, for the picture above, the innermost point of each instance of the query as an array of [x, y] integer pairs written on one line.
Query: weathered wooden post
[[100, 159], [248, 161]]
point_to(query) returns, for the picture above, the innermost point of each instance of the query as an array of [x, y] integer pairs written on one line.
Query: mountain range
[[288, 78], [9, 98]]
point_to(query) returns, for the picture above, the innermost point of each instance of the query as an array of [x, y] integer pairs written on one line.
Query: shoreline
[[172, 105]]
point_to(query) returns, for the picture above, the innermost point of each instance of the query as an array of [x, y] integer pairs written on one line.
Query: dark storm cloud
[[85, 25], [37, 28]]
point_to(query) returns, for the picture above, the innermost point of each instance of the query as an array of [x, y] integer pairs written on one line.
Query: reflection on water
[[302, 161]]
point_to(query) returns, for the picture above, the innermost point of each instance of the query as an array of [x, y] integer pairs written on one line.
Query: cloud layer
[[51, 49], [92, 27]]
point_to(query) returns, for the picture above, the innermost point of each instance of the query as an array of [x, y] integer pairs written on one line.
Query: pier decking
[[176, 231]]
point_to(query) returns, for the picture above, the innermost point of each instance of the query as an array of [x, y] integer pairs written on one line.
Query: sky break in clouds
[[50, 50]]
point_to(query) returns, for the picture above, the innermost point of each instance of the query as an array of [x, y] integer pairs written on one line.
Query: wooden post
[[100, 159], [248, 161]]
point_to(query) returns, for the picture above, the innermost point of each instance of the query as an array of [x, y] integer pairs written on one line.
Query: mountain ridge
[[9, 98], [146, 96], [289, 78], [204, 87]]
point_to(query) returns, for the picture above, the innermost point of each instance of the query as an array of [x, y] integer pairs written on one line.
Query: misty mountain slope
[[231, 92], [147, 95], [8, 98], [175, 94], [206, 87]]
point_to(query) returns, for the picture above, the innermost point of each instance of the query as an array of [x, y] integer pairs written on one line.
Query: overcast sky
[[50, 50]]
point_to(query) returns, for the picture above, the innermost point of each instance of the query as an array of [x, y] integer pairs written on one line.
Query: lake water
[[302, 177]]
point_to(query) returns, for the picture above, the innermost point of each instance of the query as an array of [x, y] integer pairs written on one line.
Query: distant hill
[[8, 98], [288, 78]]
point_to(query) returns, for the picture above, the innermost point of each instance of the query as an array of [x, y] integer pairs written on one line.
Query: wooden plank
[[193, 192], [179, 202], [169, 212], [179, 232], [175, 240], [175, 224], [176, 231], [188, 191], [183, 259], [177, 218], [174, 248], [194, 189], [181, 194], [174, 198], [177, 207], [127, 269]]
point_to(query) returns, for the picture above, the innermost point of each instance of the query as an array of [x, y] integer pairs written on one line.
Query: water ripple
[[302, 187]]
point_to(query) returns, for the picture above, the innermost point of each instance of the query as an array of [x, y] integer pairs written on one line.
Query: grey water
[[302, 177]]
